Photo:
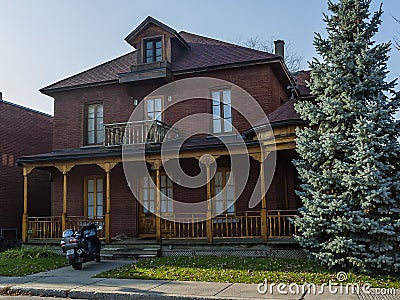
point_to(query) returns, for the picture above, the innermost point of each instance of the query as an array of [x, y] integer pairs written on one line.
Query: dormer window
[[153, 50]]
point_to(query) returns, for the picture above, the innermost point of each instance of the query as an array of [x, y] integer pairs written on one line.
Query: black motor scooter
[[81, 246]]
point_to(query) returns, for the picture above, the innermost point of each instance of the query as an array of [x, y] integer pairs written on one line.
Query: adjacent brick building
[[92, 125], [23, 131]]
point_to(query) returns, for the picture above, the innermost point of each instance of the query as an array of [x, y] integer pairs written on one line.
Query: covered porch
[[264, 222]]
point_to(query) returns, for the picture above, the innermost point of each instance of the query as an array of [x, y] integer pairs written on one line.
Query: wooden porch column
[[64, 210], [208, 160], [107, 167], [26, 172], [64, 169], [157, 206], [260, 157]]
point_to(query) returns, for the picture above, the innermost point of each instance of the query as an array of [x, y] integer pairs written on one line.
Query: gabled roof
[[11, 104], [203, 53], [150, 20]]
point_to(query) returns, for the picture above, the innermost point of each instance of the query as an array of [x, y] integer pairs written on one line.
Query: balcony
[[137, 133], [153, 70]]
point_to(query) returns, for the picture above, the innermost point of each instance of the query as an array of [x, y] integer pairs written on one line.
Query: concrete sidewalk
[[68, 283]]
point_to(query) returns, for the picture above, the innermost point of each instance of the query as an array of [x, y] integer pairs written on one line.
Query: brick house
[[23, 131], [92, 125]]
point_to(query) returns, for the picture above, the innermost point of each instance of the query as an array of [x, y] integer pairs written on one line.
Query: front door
[[147, 220]]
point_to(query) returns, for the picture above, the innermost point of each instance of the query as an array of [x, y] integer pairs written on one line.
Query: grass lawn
[[25, 261], [245, 270]]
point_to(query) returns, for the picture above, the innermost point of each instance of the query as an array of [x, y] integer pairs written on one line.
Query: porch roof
[[91, 152]]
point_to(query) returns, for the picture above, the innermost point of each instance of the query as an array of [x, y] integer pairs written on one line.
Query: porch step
[[126, 253]]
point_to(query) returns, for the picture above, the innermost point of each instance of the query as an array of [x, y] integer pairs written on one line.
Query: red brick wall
[[22, 132], [259, 81], [123, 203]]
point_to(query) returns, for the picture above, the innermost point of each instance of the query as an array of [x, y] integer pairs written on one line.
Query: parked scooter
[[81, 246]]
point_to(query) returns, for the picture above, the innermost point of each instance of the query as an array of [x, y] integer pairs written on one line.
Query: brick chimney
[[280, 48]]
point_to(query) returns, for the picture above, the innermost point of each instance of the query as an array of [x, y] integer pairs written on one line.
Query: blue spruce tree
[[349, 152]]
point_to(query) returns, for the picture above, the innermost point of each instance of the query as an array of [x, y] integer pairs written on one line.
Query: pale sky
[[44, 41]]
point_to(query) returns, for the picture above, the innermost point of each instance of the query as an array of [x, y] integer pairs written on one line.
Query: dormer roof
[[150, 20]]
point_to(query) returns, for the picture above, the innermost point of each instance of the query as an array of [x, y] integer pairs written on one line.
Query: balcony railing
[[140, 132]]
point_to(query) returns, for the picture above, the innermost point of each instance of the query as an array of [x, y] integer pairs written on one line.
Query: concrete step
[[122, 253]]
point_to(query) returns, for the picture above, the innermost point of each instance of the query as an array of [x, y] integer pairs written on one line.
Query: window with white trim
[[153, 109], [222, 111]]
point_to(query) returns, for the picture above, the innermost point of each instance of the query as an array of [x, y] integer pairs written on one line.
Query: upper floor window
[[94, 124], [222, 111], [153, 109], [224, 199], [153, 50]]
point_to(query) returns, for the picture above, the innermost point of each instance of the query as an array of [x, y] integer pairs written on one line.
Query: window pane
[[227, 125], [226, 96], [217, 110], [157, 104], [163, 206], [218, 179], [230, 208], [158, 44], [219, 207], [90, 184], [99, 137], [216, 96], [216, 126], [149, 53], [91, 124], [150, 105], [159, 52], [90, 211], [91, 137], [99, 198], [99, 111], [227, 111], [151, 194], [99, 186], [145, 194], [151, 206], [230, 192], [149, 45], [149, 59], [163, 181], [99, 211], [91, 111], [90, 199]]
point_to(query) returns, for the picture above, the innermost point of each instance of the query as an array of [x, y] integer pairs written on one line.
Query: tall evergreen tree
[[349, 153]]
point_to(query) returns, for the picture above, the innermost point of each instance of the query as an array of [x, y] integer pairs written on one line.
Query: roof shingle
[[203, 52]]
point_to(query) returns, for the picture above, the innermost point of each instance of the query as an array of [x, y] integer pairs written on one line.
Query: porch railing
[[184, 226], [44, 227], [280, 223], [245, 224], [76, 222], [140, 132]]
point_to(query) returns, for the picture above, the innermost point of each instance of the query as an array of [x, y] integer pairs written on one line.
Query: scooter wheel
[[76, 265], [98, 258]]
